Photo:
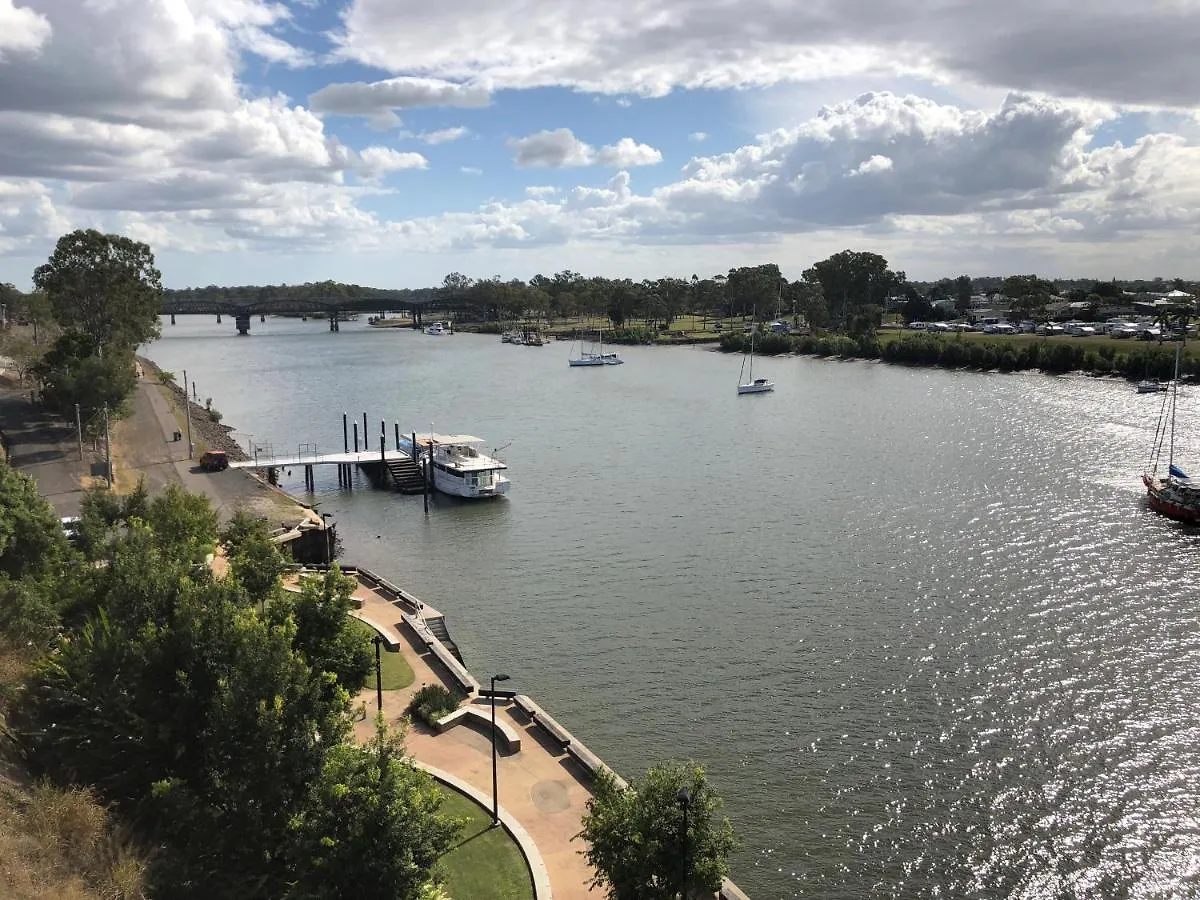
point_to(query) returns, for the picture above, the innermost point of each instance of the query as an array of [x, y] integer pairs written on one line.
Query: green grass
[[395, 671], [487, 864]]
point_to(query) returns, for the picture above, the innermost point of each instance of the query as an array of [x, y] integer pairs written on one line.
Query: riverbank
[[1133, 360]]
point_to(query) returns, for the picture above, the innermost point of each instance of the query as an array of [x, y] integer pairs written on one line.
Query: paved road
[[45, 446]]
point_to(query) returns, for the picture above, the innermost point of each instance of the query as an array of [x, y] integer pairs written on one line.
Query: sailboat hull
[[756, 388], [594, 361], [1171, 500]]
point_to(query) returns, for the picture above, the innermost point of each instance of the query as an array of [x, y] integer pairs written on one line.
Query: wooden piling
[[424, 474], [356, 437], [366, 438], [345, 434], [397, 435]]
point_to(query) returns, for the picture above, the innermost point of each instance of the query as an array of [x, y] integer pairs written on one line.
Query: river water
[[919, 625]]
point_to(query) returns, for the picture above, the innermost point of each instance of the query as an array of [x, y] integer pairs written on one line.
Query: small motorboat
[[1152, 386]]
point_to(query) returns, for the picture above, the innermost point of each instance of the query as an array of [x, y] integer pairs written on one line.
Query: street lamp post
[[495, 782], [378, 675], [684, 799]]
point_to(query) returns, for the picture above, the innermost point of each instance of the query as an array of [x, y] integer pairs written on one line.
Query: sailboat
[[1174, 495], [752, 385], [596, 358]]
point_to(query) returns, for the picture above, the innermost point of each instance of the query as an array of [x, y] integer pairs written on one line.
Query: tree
[[371, 821], [184, 524], [917, 308], [324, 631], [192, 715], [255, 561], [74, 372], [32, 542], [104, 285], [851, 280], [963, 289], [637, 843], [1028, 294]]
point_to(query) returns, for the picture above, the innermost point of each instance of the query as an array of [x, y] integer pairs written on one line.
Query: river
[[919, 625]]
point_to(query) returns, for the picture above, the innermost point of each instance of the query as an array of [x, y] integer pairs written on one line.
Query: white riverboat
[[461, 469], [437, 329]]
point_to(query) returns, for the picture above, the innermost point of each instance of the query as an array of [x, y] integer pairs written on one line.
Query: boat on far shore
[[1153, 386]]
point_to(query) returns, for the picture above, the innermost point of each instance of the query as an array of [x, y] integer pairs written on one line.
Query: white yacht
[[437, 328], [459, 468]]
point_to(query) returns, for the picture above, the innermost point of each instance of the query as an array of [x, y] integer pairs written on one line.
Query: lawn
[[395, 672], [486, 864]]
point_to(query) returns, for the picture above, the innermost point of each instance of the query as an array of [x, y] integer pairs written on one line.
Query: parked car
[[1080, 329], [214, 461], [915, 326], [1050, 328]]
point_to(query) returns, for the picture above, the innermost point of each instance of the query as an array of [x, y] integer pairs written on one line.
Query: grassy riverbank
[[972, 350]]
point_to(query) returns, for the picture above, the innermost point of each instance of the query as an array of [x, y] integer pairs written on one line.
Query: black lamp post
[[684, 799], [377, 640], [495, 784]]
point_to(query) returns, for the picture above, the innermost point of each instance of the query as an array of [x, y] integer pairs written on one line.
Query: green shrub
[[432, 702]]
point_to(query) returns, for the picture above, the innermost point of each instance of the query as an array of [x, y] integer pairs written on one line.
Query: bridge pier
[[333, 321], [243, 325], [172, 318], [218, 318], [262, 317]]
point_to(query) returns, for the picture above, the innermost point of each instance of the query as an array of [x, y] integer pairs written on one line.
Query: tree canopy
[[637, 841], [221, 732], [104, 285]]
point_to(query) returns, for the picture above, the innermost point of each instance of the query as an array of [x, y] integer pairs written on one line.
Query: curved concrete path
[[543, 790]]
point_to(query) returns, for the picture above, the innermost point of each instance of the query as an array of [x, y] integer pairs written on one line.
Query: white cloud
[[881, 165], [379, 100], [540, 190], [561, 149], [471, 170], [1116, 51], [374, 162], [135, 107], [698, 136], [627, 152], [442, 135], [22, 30]]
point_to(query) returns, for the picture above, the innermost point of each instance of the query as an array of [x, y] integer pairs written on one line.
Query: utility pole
[[187, 409], [79, 430], [107, 449]]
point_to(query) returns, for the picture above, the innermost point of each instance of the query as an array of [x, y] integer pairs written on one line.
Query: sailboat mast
[[1174, 398]]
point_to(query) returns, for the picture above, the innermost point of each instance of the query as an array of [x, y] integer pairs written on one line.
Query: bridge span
[[243, 309]]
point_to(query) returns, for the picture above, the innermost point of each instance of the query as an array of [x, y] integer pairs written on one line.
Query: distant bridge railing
[[248, 306]]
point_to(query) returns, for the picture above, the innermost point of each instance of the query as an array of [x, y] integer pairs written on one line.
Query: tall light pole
[[378, 674], [684, 799], [495, 784]]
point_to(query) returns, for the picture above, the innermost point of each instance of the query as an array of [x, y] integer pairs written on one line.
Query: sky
[[389, 142]]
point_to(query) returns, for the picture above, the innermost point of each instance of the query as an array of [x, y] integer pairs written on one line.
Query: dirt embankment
[[207, 432]]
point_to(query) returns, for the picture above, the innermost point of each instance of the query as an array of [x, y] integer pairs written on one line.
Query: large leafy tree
[[1027, 294], [32, 542], [371, 822], [637, 841], [104, 285], [324, 632], [256, 561], [75, 372], [852, 280]]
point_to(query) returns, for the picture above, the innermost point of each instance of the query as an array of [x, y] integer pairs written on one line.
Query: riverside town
[[598, 452]]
